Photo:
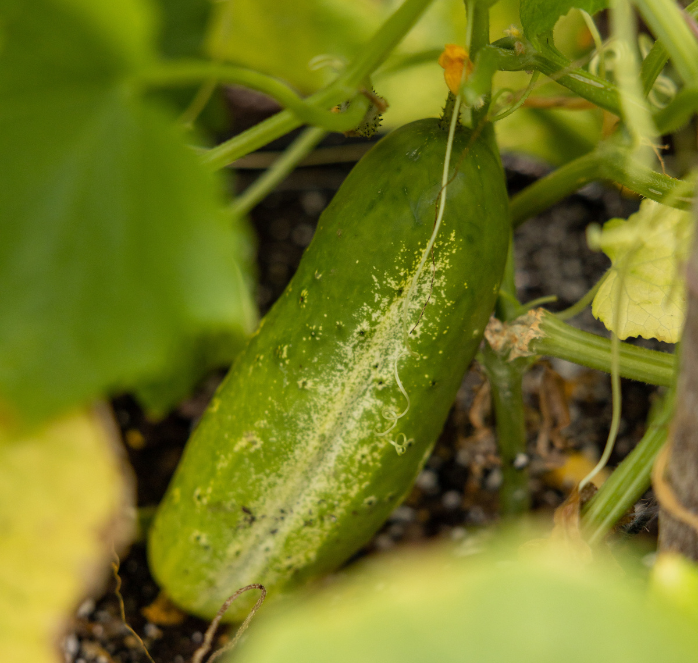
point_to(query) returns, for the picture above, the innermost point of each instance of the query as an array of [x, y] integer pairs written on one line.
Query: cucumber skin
[[286, 475]]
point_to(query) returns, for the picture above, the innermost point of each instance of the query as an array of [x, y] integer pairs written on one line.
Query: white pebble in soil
[[403, 514], [451, 499], [494, 479], [520, 461], [384, 542], [428, 481], [86, 609], [302, 234], [71, 646], [313, 202]]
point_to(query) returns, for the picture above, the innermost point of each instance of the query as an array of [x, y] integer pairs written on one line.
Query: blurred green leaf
[[282, 38], [114, 250], [210, 350], [541, 606], [184, 24], [539, 17]]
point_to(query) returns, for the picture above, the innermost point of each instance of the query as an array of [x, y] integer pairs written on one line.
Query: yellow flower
[[452, 60]]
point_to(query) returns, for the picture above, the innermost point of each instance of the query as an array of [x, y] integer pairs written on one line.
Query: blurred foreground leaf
[[63, 501], [114, 250], [291, 40], [539, 17], [645, 279], [540, 607]]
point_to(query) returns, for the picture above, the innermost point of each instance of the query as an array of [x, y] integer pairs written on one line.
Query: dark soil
[[456, 494]]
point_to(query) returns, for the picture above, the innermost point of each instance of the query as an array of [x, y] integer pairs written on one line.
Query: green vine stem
[[345, 87], [659, 55], [511, 54], [540, 332], [610, 162], [678, 112], [630, 479], [278, 171], [667, 23], [505, 380], [552, 188], [186, 72], [597, 90]]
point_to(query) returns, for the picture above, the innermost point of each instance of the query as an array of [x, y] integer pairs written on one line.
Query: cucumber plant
[[334, 403]]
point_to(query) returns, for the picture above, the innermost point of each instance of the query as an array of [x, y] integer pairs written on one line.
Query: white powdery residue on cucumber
[[343, 415]]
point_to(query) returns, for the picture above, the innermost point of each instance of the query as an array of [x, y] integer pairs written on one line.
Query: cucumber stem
[[505, 379], [507, 399], [558, 339], [447, 113]]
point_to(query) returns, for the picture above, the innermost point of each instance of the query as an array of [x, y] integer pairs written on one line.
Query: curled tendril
[[401, 448], [327, 61], [664, 89], [390, 414]]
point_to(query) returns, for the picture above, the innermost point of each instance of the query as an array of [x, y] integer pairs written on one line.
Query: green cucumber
[[327, 417]]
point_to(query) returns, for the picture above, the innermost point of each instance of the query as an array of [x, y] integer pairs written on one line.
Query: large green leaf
[[114, 251], [546, 606], [184, 24], [282, 38], [538, 17]]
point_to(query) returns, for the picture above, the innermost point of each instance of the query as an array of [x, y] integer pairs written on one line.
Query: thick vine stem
[[610, 162], [657, 58], [345, 87], [517, 54], [667, 23], [507, 399], [540, 332], [185, 72], [630, 479], [505, 380]]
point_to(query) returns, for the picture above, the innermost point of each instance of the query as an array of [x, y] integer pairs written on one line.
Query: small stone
[[520, 461], [86, 608], [494, 479], [71, 646], [403, 514], [451, 499], [428, 481]]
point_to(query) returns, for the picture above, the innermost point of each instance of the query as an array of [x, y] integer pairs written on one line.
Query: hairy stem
[[659, 55], [507, 398], [609, 162], [564, 341], [505, 379], [668, 25]]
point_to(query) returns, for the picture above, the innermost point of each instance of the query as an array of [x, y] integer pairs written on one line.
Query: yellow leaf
[[63, 499], [645, 280]]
